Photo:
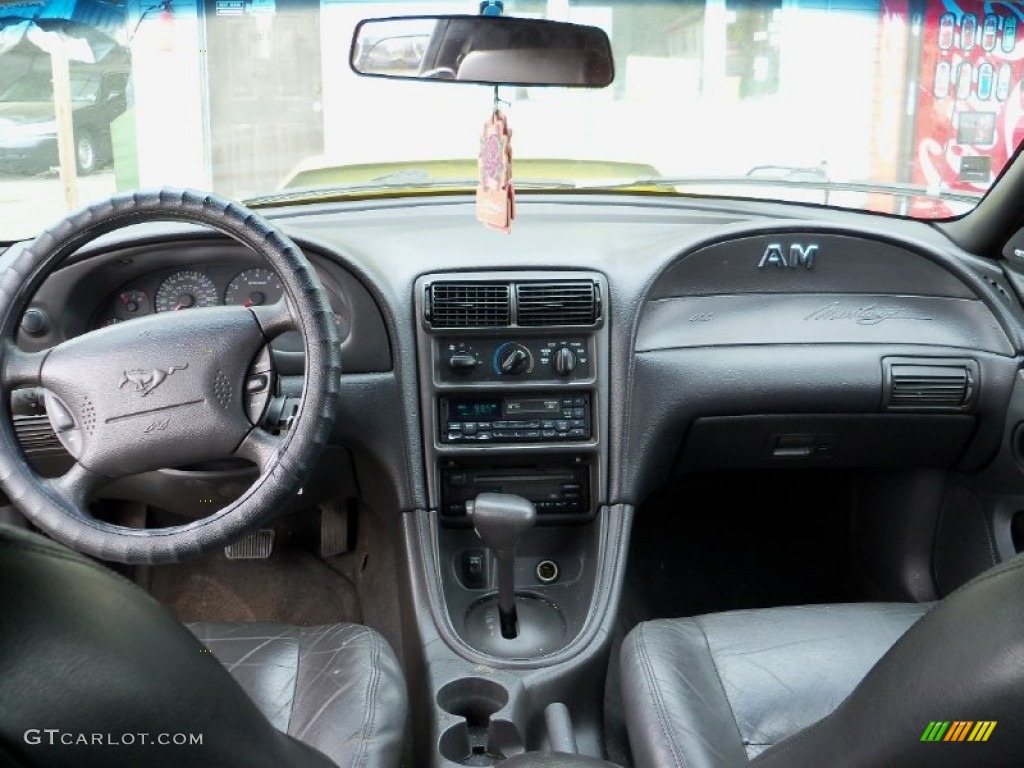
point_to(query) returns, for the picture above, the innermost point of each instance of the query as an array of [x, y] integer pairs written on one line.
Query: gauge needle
[[247, 303]]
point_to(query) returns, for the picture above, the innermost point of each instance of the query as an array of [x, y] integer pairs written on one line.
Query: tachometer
[[186, 289], [253, 288], [130, 303]]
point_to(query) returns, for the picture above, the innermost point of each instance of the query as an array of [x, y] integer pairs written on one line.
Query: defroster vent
[[930, 384], [468, 305], [557, 303]]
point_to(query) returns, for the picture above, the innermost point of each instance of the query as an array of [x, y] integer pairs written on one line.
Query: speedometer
[[186, 289], [253, 288]]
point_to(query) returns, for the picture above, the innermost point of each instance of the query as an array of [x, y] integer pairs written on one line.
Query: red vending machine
[[970, 104]]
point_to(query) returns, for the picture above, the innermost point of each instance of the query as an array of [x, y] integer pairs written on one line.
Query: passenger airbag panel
[[807, 262], [702, 321]]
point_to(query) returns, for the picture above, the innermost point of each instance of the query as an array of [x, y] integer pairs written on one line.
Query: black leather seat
[[89, 663], [337, 688], [846, 685]]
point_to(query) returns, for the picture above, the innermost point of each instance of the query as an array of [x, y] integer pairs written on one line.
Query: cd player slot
[[558, 487]]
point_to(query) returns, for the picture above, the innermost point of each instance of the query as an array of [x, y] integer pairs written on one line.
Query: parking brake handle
[[500, 519]]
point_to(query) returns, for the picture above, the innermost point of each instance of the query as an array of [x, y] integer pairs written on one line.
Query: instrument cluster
[[191, 288], [195, 287]]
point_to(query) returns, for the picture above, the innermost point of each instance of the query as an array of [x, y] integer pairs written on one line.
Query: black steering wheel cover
[[301, 445]]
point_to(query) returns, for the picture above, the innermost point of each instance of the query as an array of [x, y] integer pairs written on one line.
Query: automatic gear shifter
[[500, 519]]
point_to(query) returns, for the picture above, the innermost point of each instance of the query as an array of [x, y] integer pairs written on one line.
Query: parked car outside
[[28, 129]]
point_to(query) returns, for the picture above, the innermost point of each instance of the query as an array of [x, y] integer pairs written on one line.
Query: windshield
[[907, 108]]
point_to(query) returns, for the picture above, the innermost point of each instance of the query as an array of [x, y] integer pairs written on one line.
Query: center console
[[515, 389], [519, 547]]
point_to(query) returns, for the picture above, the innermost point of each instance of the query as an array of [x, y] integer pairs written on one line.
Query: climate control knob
[[462, 362], [564, 361], [513, 359]]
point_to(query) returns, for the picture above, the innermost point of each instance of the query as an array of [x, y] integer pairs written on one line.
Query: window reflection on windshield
[[916, 107], [39, 88]]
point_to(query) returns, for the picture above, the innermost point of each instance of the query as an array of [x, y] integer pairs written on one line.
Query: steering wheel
[[165, 390]]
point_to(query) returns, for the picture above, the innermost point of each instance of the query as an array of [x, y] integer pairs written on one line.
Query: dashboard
[[723, 333]]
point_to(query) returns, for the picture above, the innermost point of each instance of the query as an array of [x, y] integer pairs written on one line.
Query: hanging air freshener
[[495, 197]]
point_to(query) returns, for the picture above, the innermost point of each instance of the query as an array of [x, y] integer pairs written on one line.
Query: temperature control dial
[[564, 361], [512, 359]]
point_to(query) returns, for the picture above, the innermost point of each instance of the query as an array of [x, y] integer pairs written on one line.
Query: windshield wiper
[[392, 182], [805, 179]]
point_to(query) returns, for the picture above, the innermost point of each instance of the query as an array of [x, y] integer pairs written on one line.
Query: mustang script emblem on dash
[[869, 314], [146, 381]]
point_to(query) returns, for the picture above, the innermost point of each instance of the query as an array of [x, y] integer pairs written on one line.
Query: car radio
[[553, 417]]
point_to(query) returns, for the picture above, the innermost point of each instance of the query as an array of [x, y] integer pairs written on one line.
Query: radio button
[[548, 433], [579, 400], [531, 434], [567, 402], [486, 436], [454, 437], [562, 425], [547, 425], [577, 423], [577, 433], [577, 413], [469, 428]]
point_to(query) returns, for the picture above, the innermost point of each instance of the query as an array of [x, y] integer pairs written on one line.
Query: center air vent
[[557, 303], [469, 305], [930, 384]]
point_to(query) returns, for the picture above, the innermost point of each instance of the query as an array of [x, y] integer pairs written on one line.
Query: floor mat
[[291, 586]]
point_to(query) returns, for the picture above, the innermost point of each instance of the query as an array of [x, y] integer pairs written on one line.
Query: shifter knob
[[500, 519]]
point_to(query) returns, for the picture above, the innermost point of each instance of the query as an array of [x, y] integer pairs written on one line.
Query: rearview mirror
[[489, 50]]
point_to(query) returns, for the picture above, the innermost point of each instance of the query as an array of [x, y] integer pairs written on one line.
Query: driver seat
[[93, 671], [851, 686]]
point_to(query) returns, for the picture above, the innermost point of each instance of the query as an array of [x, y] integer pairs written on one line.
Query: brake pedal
[[258, 545]]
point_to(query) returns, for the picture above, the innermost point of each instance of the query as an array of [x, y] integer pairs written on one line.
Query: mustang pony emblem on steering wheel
[[146, 381]]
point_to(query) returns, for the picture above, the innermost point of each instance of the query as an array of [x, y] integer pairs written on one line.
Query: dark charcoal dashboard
[[745, 335]]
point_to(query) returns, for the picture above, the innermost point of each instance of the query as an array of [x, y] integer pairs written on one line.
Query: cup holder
[[477, 740]]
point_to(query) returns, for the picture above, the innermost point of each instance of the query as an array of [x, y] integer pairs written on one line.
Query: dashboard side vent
[[949, 385], [558, 303], [468, 305], [36, 435]]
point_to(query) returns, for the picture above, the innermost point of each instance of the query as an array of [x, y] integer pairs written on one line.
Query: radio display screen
[[539, 406], [474, 410]]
